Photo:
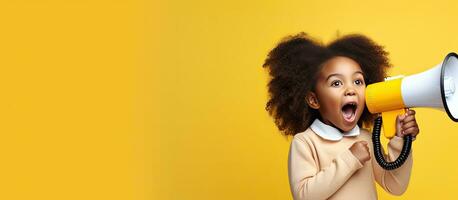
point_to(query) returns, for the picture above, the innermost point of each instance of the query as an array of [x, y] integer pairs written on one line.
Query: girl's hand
[[407, 125], [361, 151]]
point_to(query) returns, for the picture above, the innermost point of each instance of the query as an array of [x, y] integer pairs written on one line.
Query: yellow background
[[216, 141], [76, 84], [165, 99]]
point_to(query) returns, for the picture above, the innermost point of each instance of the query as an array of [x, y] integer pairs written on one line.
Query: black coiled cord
[[378, 148]]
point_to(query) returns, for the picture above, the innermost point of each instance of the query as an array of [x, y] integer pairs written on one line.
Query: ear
[[312, 100]]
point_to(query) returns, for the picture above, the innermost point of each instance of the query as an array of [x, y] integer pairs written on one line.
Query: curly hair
[[294, 65]]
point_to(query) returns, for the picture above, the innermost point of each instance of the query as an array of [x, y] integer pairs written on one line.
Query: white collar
[[330, 133]]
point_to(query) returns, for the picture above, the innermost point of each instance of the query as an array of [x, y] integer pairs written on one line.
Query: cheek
[[330, 100], [362, 97], [362, 93]]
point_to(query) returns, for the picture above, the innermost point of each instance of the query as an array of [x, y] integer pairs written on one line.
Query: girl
[[317, 96]]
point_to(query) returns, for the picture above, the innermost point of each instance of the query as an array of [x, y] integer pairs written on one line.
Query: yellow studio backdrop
[[165, 99], [216, 141], [76, 100]]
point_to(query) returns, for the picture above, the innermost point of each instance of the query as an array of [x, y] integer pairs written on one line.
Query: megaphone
[[434, 88]]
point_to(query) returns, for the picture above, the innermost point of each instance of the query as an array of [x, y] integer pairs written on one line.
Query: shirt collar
[[330, 133]]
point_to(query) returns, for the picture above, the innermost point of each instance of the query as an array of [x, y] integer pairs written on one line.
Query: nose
[[350, 92]]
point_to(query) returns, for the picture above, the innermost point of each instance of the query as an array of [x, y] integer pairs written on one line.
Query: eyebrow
[[337, 74]]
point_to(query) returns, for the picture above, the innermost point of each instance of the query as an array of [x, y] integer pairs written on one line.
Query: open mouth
[[349, 112]]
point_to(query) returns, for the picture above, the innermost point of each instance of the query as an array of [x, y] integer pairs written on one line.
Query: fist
[[407, 125], [361, 151]]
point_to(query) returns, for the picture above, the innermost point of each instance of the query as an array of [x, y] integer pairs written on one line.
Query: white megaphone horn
[[434, 88]]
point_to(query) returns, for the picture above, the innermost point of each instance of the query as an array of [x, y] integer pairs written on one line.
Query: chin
[[347, 128]]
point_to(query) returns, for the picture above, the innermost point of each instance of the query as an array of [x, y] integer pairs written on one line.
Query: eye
[[336, 83], [359, 82]]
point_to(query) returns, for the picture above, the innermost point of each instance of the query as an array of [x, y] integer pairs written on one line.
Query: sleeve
[[394, 181], [307, 181]]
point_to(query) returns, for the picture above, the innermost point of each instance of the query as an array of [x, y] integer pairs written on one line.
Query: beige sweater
[[325, 169]]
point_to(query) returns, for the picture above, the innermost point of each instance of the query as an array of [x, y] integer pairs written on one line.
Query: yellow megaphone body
[[434, 88], [386, 98]]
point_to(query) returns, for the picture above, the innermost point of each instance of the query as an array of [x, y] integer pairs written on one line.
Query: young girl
[[317, 95]]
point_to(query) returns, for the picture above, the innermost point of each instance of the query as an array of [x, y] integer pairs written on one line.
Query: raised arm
[[394, 181]]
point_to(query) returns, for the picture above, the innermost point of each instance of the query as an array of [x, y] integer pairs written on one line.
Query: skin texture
[[361, 151], [341, 81], [407, 125]]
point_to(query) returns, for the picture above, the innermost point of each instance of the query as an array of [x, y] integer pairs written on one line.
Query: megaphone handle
[[389, 118], [378, 148]]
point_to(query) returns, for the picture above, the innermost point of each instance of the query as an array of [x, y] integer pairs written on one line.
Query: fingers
[[410, 111], [399, 122], [411, 131], [409, 125], [408, 118], [360, 150], [365, 145], [409, 115], [400, 118]]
